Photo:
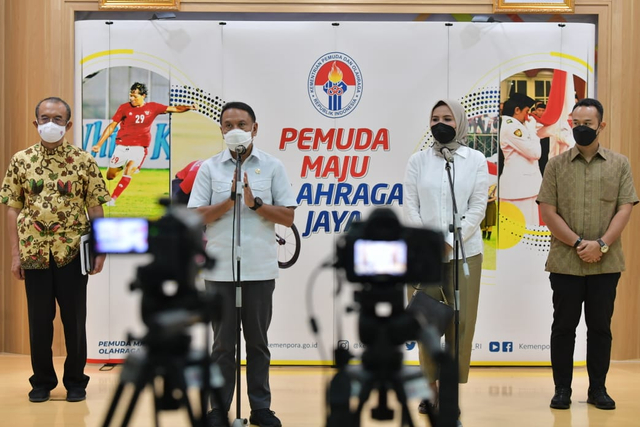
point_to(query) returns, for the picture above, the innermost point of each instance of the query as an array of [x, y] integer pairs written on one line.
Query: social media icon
[[507, 346], [343, 345], [410, 345], [494, 346]]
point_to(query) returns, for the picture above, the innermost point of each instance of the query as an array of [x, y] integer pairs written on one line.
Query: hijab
[[462, 125]]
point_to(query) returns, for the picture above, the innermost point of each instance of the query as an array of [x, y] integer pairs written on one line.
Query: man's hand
[[98, 263], [589, 251], [249, 199], [95, 148], [16, 268]]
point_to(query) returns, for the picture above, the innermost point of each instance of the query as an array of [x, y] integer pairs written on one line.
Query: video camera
[[382, 251], [176, 242]]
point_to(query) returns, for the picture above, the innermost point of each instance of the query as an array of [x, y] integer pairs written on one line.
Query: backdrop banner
[[344, 107]]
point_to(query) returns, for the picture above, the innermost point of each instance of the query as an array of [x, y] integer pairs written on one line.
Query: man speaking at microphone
[[267, 199]]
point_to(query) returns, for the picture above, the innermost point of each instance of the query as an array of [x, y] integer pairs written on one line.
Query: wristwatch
[[257, 204], [604, 248]]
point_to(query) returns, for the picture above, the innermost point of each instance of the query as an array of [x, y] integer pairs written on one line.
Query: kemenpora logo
[[335, 84]]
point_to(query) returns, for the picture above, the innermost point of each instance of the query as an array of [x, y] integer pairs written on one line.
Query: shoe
[[562, 398], [111, 202], [426, 407], [76, 395], [217, 418], [38, 395], [600, 399], [264, 418]]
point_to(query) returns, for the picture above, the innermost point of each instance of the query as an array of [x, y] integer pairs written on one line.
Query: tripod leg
[[402, 399], [114, 404], [132, 404], [367, 386]]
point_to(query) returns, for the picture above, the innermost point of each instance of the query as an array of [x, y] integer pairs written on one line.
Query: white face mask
[[237, 138], [51, 132]]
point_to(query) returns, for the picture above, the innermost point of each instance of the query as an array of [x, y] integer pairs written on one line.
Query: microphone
[[241, 149], [446, 153]]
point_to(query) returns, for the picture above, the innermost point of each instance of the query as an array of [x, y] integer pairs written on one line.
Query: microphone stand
[[456, 228], [237, 254]]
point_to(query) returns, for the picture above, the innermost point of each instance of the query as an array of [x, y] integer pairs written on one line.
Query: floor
[[493, 397]]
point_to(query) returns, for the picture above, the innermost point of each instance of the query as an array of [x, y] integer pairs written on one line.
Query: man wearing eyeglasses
[[49, 189]]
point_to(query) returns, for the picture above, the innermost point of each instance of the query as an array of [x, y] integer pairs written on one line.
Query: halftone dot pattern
[[208, 104], [485, 102], [475, 104], [512, 230], [426, 140]]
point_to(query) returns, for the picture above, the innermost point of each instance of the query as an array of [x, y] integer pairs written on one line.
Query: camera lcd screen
[[120, 235], [380, 257]]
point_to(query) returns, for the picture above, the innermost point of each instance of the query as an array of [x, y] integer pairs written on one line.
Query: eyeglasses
[[57, 120]]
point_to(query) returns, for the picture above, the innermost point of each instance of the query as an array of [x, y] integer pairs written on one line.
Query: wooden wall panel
[[3, 148], [38, 62], [624, 125]]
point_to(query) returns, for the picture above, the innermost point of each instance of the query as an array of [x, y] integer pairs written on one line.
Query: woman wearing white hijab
[[427, 203]]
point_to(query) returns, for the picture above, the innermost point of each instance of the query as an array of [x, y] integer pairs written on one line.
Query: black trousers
[[257, 309], [68, 286], [598, 293]]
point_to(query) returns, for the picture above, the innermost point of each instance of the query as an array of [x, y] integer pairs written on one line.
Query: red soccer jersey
[[135, 123]]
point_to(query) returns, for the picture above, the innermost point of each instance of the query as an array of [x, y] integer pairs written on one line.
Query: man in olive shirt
[[585, 199]]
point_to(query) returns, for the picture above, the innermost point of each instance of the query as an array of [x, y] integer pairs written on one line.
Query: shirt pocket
[[262, 189], [220, 191], [610, 187]]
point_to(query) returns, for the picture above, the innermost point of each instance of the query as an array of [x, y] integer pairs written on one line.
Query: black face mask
[[584, 135], [443, 133]]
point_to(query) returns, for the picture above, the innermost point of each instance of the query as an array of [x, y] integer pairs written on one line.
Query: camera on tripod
[[382, 256], [171, 304]]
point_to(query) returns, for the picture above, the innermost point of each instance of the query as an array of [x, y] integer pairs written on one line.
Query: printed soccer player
[[134, 136]]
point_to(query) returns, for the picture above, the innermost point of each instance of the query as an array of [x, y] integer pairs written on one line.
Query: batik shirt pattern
[[52, 188]]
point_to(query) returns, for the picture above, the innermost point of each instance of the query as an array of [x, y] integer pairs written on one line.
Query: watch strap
[[575, 245], [257, 203]]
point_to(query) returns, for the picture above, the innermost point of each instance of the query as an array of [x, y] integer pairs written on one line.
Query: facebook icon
[[507, 346]]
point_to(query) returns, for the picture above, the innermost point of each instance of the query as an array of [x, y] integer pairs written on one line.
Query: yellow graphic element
[[170, 70], [513, 228], [106, 53], [517, 133], [335, 75], [573, 58], [512, 225]]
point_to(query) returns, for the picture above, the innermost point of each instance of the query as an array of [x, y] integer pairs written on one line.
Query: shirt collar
[[574, 152], [60, 149], [226, 155], [462, 151]]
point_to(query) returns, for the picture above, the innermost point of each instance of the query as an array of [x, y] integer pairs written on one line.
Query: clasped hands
[[249, 199], [589, 251]]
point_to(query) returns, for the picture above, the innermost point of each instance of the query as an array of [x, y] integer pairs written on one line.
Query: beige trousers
[[469, 294]]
